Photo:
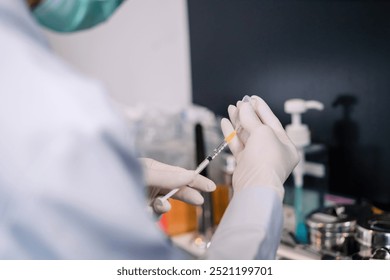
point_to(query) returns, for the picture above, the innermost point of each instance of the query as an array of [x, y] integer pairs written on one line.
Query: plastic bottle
[[299, 134]]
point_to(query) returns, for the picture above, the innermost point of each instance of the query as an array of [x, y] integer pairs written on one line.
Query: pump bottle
[[299, 134]]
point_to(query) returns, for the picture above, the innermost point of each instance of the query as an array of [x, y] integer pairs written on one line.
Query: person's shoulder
[[42, 91]]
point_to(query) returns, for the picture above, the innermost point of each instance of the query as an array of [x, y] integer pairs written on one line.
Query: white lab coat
[[70, 187]]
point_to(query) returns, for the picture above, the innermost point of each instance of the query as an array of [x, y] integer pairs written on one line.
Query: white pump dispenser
[[299, 134]]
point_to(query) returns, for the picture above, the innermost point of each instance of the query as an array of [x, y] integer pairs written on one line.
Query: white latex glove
[[162, 178], [264, 154]]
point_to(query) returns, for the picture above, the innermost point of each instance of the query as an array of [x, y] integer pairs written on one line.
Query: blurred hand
[[264, 154], [161, 178]]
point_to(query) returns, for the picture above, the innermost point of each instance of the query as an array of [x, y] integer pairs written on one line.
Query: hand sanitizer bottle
[[299, 134]]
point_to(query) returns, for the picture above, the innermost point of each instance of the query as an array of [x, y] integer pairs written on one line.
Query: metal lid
[[374, 232], [337, 219]]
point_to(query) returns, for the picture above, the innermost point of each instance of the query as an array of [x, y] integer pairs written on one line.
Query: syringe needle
[[160, 201]]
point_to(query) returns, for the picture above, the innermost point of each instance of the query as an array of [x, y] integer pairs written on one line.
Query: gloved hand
[[264, 154], [162, 178]]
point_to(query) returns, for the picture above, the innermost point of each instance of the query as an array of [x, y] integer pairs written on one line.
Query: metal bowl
[[333, 228], [374, 232]]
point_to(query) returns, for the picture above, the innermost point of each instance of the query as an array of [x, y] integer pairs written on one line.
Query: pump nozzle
[[299, 133]]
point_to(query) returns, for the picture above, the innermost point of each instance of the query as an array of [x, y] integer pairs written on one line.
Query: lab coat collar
[[17, 15]]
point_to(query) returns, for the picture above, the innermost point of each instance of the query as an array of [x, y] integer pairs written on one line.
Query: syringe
[[159, 201]]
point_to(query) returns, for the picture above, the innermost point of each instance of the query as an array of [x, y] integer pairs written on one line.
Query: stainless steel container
[[373, 236], [332, 229]]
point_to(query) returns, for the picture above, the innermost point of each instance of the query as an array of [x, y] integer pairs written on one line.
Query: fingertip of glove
[[203, 183], [256, 98], [232, 110], [226, 125], [198, 201], [254, 101], [231, 107], [211, 186], [224, 121]]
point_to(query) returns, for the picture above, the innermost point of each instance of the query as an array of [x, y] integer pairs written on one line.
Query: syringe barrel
[[202, 166], [218, 150]]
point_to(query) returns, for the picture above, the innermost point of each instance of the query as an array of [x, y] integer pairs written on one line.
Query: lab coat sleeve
[[251, 226]]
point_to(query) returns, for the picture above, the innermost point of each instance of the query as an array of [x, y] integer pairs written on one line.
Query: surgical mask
[[73, 15]]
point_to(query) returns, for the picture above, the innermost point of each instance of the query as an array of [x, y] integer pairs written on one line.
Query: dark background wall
[[337, 52]]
